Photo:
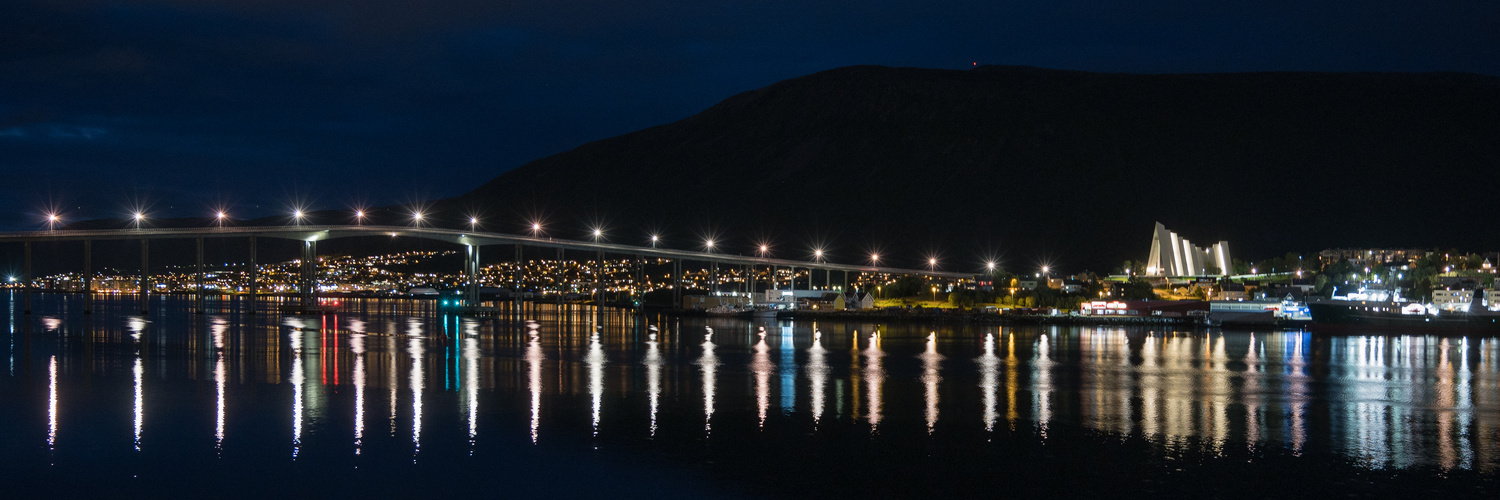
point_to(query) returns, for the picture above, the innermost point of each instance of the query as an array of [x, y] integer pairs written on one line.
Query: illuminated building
[[1175, 256]]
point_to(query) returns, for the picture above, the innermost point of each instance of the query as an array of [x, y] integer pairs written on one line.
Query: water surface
[[392, 398]]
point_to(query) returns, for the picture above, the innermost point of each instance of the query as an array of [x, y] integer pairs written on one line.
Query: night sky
[[186, 105]]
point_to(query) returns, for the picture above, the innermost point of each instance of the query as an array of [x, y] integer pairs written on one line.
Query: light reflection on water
[[1380, 401]]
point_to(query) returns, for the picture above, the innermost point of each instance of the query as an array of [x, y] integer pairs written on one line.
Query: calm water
[[389, 399]]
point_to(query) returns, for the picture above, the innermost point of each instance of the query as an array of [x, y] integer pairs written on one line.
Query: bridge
[[472, 240]]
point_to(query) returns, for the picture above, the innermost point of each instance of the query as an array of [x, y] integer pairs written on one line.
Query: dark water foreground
[[389, 399]]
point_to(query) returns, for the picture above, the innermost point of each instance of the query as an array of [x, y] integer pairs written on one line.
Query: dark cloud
[[192, 102]]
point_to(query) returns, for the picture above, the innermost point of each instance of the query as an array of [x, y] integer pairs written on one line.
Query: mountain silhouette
[[1038, 166]]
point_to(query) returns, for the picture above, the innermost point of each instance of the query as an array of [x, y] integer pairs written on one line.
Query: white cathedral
[[1175, 256]]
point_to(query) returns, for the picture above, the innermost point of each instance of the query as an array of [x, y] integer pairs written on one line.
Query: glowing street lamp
[[359, 217], [137, 219], [989, 266], [654, 240], [598, 233], [763, 250], [473, 223], [875, 259], [818, 255], [416, 217], [52, 220], [931, 264], [297, 216], [219, 218], [708, 246]]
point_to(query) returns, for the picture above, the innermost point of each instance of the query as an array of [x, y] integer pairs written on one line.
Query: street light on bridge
[[359, 217], [219, 218], [416, 217], [137, 219], [297, 216], [654, 239], [52, 220]]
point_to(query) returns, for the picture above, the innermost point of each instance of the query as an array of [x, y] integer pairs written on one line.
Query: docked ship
[[1455, 310]]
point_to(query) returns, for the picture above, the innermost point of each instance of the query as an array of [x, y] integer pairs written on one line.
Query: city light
[[52, 220], [359, 217], [473, 223], [416, 217], [874, 259], [709, 245], [138, 218], [297, 216], [989, 266], [654, 239], [818, 254], [931, 264]]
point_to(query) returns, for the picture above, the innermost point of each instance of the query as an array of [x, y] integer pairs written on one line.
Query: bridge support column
[[145, 283], [309, 280], [471, 270], [88, 277], [639, 283], [519, 273], [254, 279], [676, 283], [198, 278], [599, 287], [26, 275]]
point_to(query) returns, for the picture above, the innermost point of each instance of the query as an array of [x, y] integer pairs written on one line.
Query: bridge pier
[[516, 296], [254, 284], [676, 283], [198, 278], [145, 283], [88, 277], [599, 287], [309, 275], [26, 275], [471, 269]]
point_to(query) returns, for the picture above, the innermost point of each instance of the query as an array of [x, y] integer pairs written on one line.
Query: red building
[[1165, 308]]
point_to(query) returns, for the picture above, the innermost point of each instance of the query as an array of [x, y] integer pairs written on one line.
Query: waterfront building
[[1372, 256], [1452, 299], [1162, 308], [1172, 255]]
